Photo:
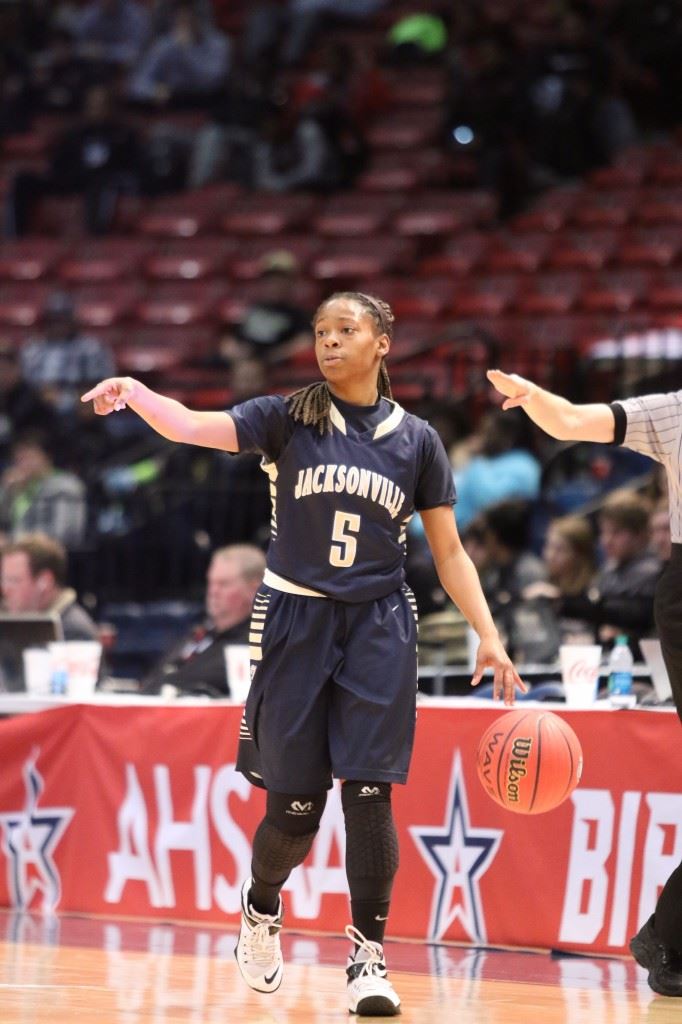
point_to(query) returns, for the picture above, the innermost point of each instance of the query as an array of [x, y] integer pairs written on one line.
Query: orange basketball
[[529, 761]]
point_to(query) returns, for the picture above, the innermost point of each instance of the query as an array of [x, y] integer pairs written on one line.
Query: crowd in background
[[537, 94]]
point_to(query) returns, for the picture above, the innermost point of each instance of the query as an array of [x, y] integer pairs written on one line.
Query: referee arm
[[555, 415]]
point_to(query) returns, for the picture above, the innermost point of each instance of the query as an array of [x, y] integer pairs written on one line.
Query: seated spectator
[[21, 406], [196, 663], [659, 531], [497, 465], [63, 361], [530, 628], [33, 578], [113, 31], [570, 558], [60, 75], [188, 65], [36, 496], [274, 326], [622, 597], [163, 13], [99, 158], [294, 152]]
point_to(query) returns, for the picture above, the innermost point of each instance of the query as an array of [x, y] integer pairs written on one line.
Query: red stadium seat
[[189, 214], [30, 259], [583, 250], [665, 291], [422, 87], [21, 305], [550, 212], [524, 251], [179, 303], [246, 261], [111, 259], [353, 214], [444, 213], [266, 213], [614, 291], [404, 170], [649, 247], [660, 206], [426, 297], [406, 128], [105, 304], [550, 293], [355, 259], [487, 295], [600, 208], [190, 260], [458, 255]]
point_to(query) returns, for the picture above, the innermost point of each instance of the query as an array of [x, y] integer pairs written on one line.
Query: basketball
[[529, 761]]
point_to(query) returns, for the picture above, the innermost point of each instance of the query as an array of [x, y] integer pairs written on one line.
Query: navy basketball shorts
[[333, 693]]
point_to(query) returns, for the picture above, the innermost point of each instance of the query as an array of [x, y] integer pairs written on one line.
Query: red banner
[[138, 811]]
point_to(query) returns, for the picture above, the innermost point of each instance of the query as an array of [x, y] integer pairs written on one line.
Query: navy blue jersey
[[341, 501]]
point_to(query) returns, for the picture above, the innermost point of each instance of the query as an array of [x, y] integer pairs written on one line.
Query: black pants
[[668, 614]]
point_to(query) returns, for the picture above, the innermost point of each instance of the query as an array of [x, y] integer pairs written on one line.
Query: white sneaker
[[258, 952], [370, 993]]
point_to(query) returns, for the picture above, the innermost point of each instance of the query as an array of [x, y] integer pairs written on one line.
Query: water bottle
[[620, 673], [60, 680]]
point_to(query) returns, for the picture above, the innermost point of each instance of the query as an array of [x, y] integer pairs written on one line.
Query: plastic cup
[[580, 673], [37, 670]]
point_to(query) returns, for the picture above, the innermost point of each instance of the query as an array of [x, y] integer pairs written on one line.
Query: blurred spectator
[[494, 464], [508, 568], [659, 530], [60, 75], [621, 598], [196, 664], [34, 495], [163, 14], [569, 554], [285, 33], [113, 31], [274, 326], [64, 362], [294, 152], [222, 149], [21, 406], [186, 66], [99, 157], [33, 578]]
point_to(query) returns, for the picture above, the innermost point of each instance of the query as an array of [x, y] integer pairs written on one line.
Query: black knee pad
[[372, 854], [285, 835]]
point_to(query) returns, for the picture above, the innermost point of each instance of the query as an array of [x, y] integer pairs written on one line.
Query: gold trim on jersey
[[385, 427], [288, 586]]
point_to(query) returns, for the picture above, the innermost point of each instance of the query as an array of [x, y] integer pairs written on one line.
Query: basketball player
[[333, 631], [651, 425]]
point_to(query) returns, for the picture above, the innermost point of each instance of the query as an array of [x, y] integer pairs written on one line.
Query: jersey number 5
[[343, 552]]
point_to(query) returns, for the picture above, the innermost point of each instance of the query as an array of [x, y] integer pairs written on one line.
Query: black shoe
[[663, 964]]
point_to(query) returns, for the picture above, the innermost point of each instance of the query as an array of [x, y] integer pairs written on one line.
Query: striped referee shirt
[[652, 425]]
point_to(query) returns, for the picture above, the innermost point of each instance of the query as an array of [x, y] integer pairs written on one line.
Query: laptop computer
[[651, 649], [17, 632]]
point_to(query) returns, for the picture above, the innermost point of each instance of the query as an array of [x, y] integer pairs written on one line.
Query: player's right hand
[[111, 395]]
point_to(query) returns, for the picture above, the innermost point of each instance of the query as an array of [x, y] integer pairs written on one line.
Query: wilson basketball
[[529, 761]]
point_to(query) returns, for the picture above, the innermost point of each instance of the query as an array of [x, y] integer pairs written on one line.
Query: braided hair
[[311, 405]]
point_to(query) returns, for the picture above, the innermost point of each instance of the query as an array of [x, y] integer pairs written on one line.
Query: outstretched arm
[[460, 580], [168, 417], [555, 415]]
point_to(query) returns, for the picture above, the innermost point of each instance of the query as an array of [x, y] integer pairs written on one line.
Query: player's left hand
[[491, 654]]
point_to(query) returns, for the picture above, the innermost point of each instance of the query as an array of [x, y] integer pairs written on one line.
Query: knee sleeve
[[284, 837], [371, 839]]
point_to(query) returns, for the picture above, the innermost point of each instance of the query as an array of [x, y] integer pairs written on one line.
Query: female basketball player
[[333, 632], [651, 425]]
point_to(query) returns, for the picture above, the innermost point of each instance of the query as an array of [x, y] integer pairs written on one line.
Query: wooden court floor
[[76, 970]]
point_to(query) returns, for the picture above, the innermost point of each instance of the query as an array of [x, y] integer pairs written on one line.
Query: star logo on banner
[[457, 856], [29, 839]]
